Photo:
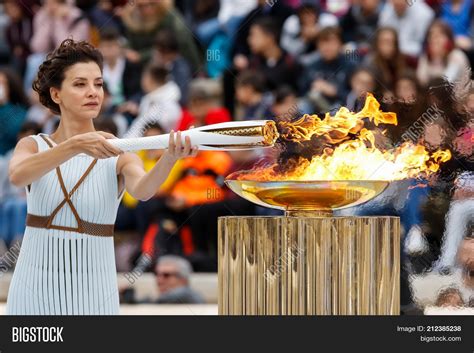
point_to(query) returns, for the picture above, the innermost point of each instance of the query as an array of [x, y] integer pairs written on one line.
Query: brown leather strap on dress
[[82, 226], [106, 230]]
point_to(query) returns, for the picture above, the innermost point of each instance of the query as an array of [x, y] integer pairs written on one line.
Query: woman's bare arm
[[143, 186], [28, 165]]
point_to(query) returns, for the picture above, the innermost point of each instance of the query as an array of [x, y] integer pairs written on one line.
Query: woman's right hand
[[95, 144]]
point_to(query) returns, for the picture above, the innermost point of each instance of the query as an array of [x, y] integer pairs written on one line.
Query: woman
[[75, 180], [441, 58], [407, 88], [54, 21], [386, 60]]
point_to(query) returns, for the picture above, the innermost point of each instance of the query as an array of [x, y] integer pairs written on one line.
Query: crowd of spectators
[[177, 64]]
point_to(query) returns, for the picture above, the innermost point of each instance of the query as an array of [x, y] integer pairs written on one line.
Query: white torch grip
[[199, 137]]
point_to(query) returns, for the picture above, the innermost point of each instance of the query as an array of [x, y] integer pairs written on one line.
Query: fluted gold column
[[309, 265]]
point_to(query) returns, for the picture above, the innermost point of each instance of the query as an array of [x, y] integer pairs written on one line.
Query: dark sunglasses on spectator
[[167, 274]]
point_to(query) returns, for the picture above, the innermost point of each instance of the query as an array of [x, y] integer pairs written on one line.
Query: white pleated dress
[[63, 272]]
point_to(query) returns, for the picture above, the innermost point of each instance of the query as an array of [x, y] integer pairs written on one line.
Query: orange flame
[[350, 151]]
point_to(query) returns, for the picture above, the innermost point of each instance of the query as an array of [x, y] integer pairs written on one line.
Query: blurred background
[[176, 64]]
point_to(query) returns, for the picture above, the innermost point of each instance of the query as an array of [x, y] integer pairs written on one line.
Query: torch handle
[[204, 141]]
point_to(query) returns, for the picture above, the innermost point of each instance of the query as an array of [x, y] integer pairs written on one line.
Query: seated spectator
[[144, 20], [461, 292], [410, 20], [167, 54], [362, 82], [407, 88], [13, 106], [173, 280], [12, 198], [336, 7], [197, 12], [18, 34], [160, 103], [277, 10], [409, 103], [203, 108], [121, 76], [104, 15], [441, 58], [41, 115], [327, 80], [277, 66], [285, 104], [250, 93], [300, 30], [459, 219], [181, 222], [458, 15], [240, 54], [229, 17], [385, 58], [54, 21], [360, 23], [172, 275]]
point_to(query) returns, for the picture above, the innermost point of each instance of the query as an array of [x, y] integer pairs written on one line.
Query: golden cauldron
[[308, 197]]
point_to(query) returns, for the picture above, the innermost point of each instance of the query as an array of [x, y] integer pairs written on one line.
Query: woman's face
[[147, 8], [405, 90], [81, 93], [362, 83], [437, 41], [386, 44]]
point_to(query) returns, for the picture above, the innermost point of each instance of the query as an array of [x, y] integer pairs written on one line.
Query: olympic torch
[[236, 135]]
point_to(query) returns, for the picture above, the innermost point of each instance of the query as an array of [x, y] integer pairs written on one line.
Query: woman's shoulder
[[30, 144], [458, 55]]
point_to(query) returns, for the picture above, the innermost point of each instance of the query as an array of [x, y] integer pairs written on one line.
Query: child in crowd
[[268, 57], [285, 104], [160, 103], [121, 75], [327, 80], [362, 82], [250, 92]]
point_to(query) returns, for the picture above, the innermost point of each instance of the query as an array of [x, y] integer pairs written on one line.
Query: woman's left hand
[[177, 150]]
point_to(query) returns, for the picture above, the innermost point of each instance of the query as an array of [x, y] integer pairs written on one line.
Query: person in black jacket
[[326, 81], [359, 24], [121, 76], [268, 57], [18, 34], [274, 9]]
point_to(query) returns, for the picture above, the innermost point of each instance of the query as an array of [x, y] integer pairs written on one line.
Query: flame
[[346, 150]]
